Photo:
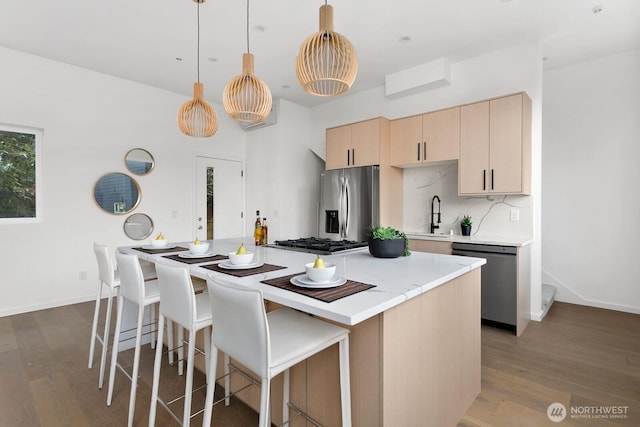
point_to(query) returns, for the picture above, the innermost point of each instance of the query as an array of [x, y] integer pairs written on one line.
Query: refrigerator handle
[[341, 209], [347, 206]]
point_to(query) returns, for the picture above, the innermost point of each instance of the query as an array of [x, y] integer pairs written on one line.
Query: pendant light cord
[[248, 26], [198, 56]]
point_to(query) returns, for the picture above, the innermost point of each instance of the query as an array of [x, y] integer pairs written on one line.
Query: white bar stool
[[180, 304], [269, 343], [132, 289], [108, 276]]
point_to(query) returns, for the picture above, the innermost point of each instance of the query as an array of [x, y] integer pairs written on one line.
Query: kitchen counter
[[397, 280], [517, 241], [414, 342]]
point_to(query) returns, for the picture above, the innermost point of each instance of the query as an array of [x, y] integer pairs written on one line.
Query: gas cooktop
[[319, 246]]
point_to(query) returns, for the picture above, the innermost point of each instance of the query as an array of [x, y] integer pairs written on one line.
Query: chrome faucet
[[434, 225]]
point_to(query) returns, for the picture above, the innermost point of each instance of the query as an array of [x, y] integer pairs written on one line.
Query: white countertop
[[396, 280], [482, 239]]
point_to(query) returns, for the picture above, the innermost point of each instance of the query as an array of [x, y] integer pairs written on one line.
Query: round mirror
[[117, 193], [139, 161], [138, 226]]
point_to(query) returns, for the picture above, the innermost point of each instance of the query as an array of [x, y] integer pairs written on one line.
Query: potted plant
[[387, 242], [465, 225]]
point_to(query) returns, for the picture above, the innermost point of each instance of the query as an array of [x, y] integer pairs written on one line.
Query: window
[[20, 174]]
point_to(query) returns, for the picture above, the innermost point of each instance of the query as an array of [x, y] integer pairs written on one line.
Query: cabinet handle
[[484, 179], [424, 151], [348, 157], [353, 156], [418, 151], [492, 179]]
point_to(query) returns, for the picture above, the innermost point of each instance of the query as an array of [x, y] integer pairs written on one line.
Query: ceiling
[[155, 41]]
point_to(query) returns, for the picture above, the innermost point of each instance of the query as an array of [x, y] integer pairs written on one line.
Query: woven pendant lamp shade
[[246, 98], [327, 63], [196, 117]]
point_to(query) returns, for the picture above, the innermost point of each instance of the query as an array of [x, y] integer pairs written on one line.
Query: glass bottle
[[257, 234], [265, 232]]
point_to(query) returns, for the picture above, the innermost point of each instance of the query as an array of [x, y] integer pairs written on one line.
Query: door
[[338, 144], [406, 141], [365, 143], [473, 166], [506, 144], [441, 134], [219, 199]]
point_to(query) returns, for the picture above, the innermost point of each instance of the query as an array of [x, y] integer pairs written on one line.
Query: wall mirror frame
[[138, 226], [139, 161], [117, 193]]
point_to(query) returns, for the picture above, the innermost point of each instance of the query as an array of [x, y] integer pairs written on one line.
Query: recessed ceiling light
[[597, 9], [405, 39]]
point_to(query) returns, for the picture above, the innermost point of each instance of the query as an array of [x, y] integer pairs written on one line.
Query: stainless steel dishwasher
[[499, 283]]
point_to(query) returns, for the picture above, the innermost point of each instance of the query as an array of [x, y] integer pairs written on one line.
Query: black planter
[[466, 230], [391, 248]]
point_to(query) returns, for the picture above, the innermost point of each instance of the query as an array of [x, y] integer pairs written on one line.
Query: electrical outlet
[[515, 215], [82, 275]]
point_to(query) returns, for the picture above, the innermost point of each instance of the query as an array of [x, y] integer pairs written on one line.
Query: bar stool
[[132, 289], [108, 276], [269, 343], [180, 304]]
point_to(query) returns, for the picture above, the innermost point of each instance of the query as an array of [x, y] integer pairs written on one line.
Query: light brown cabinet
[[495, 146], [357, 144], [431, 137], [430, 246]]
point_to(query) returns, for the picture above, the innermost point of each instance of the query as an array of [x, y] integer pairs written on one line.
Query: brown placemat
[[217, 257], [325, 295], [161, 251], [243, 273]]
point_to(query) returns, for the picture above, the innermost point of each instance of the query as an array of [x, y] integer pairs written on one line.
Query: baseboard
[[575, 298], [45, 305]]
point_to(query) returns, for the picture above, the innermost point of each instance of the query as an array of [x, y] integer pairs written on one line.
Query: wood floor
[[579, 356]]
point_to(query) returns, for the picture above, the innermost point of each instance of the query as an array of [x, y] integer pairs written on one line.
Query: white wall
[[90, 121], [283, 175], [590, 181], [505, 71]]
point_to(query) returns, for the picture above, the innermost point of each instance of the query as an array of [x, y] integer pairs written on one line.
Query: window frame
[[39, 136]]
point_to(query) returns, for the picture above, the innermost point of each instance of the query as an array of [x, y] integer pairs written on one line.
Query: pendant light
[[327, 63], [246, 98], [196, 117]]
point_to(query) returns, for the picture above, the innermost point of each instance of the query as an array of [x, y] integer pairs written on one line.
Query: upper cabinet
[[357, 144], [495, 147], [431, 137]]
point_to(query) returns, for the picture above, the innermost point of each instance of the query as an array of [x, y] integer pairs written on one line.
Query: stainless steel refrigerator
[[349, 203]]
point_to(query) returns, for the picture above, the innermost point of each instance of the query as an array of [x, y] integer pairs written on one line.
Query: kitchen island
[[414, 342]]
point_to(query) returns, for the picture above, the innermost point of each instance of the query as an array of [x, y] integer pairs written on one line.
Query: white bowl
[[320, 274], [202, 248], [159, 243], [240, 259]]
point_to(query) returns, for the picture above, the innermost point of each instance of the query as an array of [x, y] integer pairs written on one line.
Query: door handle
[[348, 157], [418, 151], [484, 179], [353, 156], [492, 179], [424, 152]]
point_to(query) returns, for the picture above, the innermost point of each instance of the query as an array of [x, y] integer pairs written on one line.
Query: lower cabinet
[[430, 246]]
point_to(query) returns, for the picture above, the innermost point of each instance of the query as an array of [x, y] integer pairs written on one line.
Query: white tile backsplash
[[490, 214]]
